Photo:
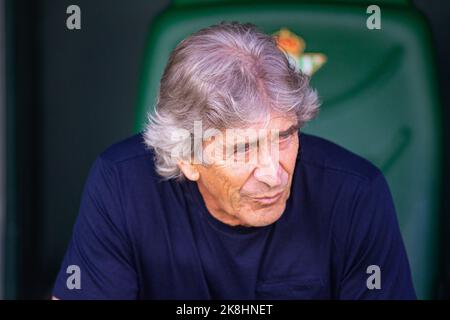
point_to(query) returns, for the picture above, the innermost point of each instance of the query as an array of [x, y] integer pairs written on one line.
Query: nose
[[269, 172]]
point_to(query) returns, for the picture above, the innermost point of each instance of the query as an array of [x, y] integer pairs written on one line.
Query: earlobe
[[189, 170]]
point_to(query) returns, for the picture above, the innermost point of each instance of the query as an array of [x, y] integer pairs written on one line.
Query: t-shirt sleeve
[[375, 262], [98, 263]]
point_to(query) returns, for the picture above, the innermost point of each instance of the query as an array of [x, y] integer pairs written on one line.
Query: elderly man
[[221, 197]]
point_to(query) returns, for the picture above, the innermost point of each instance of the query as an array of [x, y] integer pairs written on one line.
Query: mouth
[[268, 200]]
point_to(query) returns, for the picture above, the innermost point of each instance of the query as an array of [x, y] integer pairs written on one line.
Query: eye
[[285, 139], [245, 148]]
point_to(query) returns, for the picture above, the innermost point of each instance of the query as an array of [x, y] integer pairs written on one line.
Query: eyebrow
[[242, 144], [293, 128]]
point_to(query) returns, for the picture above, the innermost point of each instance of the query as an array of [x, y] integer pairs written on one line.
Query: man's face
[[240, 188]]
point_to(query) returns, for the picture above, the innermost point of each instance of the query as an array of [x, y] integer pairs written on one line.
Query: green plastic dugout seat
[[377, 88]]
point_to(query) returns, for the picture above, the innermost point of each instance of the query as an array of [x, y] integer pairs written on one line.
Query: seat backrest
[[377, 90]]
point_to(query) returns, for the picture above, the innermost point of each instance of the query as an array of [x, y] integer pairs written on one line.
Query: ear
[[189, 170]]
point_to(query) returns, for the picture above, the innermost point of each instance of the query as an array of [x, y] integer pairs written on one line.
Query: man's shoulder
[[128, 149], [331, 157]]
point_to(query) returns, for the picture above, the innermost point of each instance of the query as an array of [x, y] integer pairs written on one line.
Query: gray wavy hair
[[228, 75]]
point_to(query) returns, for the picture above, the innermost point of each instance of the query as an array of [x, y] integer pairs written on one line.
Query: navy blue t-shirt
[[137, 237]]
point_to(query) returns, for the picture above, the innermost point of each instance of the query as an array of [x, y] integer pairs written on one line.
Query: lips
[[269, 199]]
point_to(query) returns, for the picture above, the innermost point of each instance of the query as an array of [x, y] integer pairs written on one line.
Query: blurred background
[[66, 95]]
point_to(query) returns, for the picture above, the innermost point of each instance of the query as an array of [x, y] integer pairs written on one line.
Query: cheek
[[288, 157], [229, 179]]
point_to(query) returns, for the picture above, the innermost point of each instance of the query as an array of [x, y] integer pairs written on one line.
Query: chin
[[264, 216]]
